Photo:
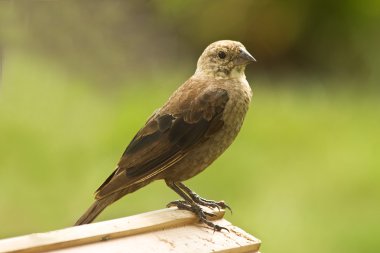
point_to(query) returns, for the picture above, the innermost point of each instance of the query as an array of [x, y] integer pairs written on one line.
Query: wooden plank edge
[[251, 248], [100, 231]]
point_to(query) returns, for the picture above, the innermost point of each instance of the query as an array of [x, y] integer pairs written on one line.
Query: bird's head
[[224, 59]]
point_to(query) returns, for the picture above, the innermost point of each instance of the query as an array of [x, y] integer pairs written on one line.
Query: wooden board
[[166, 230]]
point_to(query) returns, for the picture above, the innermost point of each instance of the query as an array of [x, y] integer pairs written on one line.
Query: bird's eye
[[222, 55]]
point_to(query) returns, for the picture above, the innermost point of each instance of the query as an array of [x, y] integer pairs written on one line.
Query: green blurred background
[[79, 78]]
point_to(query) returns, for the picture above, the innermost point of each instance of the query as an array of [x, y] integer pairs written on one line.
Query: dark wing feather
[[166, 138]]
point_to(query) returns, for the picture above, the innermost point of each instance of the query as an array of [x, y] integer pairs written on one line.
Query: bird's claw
[[199, 212], [211, 203], [183, 205]]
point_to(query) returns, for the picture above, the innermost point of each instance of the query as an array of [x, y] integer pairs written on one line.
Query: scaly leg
[[190, 205], [201, 201]]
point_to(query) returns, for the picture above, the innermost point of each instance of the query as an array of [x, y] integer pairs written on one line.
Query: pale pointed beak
[[244, 57]]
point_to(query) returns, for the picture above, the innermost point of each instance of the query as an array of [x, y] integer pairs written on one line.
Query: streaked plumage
[[198, 122]]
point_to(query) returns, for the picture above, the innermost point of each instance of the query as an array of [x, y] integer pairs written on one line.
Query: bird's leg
[[189, 205], [183, 205], [201, 201]]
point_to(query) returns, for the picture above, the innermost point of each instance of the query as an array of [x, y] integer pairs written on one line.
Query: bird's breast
[[208, 151], [240, 95]]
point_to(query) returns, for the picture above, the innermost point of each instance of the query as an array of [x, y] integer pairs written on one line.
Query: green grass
[[302, 176]]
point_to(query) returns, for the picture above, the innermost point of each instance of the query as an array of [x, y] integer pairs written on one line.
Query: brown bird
[[182, 138]]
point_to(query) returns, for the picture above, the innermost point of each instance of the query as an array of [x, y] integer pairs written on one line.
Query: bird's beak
[[244, 57]]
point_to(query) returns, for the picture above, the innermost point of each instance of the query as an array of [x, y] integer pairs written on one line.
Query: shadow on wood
[[166, 230]]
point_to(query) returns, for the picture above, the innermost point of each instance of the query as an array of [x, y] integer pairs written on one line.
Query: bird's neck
[[236, 73]]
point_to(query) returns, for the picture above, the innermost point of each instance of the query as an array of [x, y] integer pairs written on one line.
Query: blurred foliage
[[79, 78], [107, 40], [302, 175]]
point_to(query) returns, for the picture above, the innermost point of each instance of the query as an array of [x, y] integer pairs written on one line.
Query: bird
[[188, 133]]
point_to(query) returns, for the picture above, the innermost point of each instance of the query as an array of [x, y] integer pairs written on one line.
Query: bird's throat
[[238, 73]]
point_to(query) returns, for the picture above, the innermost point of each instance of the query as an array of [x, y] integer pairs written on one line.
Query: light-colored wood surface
[[166, 230]]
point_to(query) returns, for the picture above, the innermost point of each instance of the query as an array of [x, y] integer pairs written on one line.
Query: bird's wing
[[166, 138]]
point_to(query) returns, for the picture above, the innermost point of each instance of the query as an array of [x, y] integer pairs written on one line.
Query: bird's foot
[[204, 202], [198, 211], [183, 205], [210, 203]]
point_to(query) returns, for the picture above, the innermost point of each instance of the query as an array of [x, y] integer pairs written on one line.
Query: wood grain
[[166, 230]]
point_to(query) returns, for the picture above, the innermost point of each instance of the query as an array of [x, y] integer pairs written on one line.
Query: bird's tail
[[95, 209]]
